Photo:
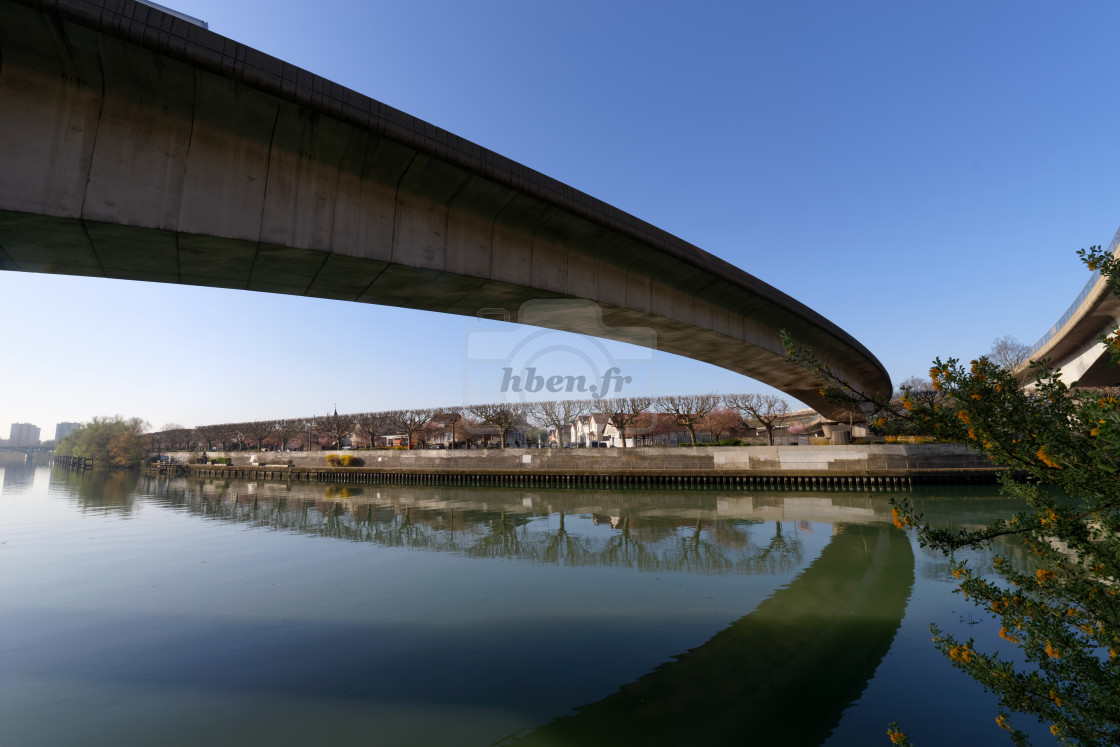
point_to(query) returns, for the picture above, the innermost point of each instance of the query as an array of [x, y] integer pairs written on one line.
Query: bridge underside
[[1077, 351], [139, 147]]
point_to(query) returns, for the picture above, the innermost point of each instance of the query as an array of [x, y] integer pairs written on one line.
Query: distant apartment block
[[24, 434], [62, 430]]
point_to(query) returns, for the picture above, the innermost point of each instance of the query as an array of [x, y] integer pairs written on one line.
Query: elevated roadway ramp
[[135, 144], [1073, 344]]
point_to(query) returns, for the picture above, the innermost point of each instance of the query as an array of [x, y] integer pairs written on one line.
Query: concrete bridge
[[1072, 344], [138, 145], [27, 451]]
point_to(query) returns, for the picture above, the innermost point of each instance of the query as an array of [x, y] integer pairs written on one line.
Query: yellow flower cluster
[[960, 653], [1044, 575], [899, 520], [1006, 635], [1046, 458], [1055, 699], [897, 736], [935, 375], [1052, 652]]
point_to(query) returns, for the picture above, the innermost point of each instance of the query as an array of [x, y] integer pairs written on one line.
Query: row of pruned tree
[[631, 416], [715, 412]]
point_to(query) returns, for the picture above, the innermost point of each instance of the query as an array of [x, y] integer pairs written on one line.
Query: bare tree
[[450, 420], [238, 432], [176, 438], [468, 426], [309, 427], [625, 412], [222, 433], [721, 421], [504, 417], [1008, 352], [337, 427], [409, 422], [259, 430], [372, 423], [559, 415], [205, 434], [688, 409], [768, 409], [921, 391], [283, 430]]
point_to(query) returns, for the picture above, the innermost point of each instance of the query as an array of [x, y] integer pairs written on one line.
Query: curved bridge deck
[[136, 145]]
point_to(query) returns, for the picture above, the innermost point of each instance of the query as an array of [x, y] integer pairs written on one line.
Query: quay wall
[[754, 464]]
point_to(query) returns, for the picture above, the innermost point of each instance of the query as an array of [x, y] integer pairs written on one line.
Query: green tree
[[109, 441], [1062, 445]]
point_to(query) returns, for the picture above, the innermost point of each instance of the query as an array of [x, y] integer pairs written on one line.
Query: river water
[[137, 610]]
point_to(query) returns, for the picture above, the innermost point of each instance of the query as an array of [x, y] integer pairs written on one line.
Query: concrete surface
[[136, 145], [1073, 347]]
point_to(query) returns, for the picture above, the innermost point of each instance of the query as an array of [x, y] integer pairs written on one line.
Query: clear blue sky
[[920, 173]]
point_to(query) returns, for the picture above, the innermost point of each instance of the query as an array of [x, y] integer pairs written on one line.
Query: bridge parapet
[[1072, 345]]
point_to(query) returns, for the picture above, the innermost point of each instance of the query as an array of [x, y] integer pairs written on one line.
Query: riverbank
[[854, 465]]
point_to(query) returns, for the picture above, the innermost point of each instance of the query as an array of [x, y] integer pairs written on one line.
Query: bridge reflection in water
[[782, 674]]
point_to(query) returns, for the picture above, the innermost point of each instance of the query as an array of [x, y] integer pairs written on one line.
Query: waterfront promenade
[[854, 465]]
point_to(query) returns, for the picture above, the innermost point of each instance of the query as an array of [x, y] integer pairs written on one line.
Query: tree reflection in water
[[563, 548], [781, 554], [501, 524], [694, 553], [501, 542], [99, 491], [623, 549]]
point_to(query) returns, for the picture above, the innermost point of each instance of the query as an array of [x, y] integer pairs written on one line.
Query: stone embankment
[[855, 466]]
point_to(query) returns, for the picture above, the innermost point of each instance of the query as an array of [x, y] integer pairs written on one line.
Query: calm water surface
[[144, 611]]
